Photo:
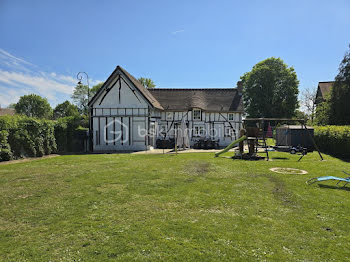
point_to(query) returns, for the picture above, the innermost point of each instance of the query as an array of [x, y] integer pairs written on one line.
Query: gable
[[319, 98], [325, 87], [120, 93], [121, 88]]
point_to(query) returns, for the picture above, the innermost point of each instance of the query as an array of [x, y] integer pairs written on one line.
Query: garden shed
[[295, 135]]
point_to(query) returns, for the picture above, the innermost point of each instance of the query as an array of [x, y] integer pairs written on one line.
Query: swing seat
[[326, 178]]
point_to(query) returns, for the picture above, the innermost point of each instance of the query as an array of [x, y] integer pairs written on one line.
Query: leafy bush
[[67, 133], [61, 134], [5, 149], [22, 136], [334, 140]]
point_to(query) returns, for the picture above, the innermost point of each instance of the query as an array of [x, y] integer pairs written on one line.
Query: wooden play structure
[[253, 134]]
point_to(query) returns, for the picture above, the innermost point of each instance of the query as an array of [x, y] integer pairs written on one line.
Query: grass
[[166, 207]]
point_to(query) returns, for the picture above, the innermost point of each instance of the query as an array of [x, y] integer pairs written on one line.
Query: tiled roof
[[210, 99], [7, 111]]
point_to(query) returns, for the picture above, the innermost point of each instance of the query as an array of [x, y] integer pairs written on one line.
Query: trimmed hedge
[[68, 134], [5, 148], [22, 136], [334, 140]]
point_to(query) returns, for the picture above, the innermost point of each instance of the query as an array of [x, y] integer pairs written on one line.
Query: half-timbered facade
[[125, 116]]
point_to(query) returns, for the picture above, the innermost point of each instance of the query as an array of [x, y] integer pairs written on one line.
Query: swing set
[[254, 134]]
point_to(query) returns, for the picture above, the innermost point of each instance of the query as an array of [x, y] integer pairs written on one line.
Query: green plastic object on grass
[[230, 146]]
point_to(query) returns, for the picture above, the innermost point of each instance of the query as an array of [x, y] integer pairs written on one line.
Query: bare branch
[[308, 101]]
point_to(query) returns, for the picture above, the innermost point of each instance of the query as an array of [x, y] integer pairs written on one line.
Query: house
[[7, 111], [124, 115], [323, 90]]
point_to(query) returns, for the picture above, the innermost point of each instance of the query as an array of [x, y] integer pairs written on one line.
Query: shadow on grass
[[334, 187], [347, 159], [280, 158], [107, 152], [72, 153], [343, 158]]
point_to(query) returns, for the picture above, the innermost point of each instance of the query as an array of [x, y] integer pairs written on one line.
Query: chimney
[[240, 87]]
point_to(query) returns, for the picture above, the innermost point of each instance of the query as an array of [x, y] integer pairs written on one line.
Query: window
[[198, 131], [152, 129], [162, 130], [231, 116], [169, 115], [228, 131], [197, 114]]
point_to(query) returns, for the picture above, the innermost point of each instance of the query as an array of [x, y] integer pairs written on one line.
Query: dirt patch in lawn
[[288, 171], [281, 193], [197, 168]]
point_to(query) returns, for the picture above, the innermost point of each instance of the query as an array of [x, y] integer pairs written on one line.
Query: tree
[[147, 82], [33, 106], [340, 94], [323, 112], [95, 89], [80, 96], [12, 105], [65, 109], [300, 115], [308, 102], [270, 89]]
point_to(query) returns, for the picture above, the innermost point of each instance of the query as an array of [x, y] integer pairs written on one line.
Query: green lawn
[[171, 208]]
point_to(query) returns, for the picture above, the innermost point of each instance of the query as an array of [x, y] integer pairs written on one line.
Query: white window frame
[[231, 116], [200, 114], [198, 131]]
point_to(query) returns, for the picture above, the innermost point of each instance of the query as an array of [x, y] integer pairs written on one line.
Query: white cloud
[[178, 31], [44, 84], [9, 96], [12, 58], [19, 77]]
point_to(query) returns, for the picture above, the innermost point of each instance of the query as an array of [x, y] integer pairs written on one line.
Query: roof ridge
[[184, 89], [144, 92], [142, 89]]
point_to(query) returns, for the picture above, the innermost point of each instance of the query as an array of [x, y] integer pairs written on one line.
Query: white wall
[[128, 98], [213, 123], [119, 121]]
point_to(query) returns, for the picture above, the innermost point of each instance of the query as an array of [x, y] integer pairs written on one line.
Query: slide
[[230, 146]]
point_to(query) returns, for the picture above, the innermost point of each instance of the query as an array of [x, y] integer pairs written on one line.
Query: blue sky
[[43, 44]]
